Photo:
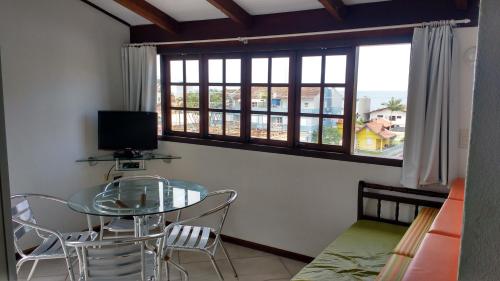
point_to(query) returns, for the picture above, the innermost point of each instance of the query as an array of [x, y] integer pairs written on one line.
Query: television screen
[[119, 130]]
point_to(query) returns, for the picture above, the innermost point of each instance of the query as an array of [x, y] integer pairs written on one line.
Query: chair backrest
[[21, 211], [117, 259], [221, 209]]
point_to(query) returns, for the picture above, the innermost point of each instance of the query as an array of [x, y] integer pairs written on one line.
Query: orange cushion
[[394, 269], [457, 189], [436, 259], [449, 220], [413, 236]]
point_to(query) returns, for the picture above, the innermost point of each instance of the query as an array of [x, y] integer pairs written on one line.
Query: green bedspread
[[358, 254]]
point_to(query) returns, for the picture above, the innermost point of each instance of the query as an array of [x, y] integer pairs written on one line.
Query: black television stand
[[127, 154]]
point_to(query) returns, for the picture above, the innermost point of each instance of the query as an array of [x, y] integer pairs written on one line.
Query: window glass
[[233, 97], [215, 71], [333, 100], [258, 126], [335, 69], [260, 70], [310, 99], [215, 123], [309, 129], [233, 124], [279, 127], [177, 96], [215, 97], [176, 71], [311, 69], [233, 70], [159, 95], [177, 119], [193, 96], [279, 99], [332, 131], [259, 99], [382, 89], [192, 71], [193, 121], [280, 71]]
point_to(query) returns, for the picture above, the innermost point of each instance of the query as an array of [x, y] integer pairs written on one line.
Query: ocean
[[377, 98]]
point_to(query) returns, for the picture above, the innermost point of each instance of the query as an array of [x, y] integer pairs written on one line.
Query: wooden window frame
[[348, 86], [166, 99], [292, 146]]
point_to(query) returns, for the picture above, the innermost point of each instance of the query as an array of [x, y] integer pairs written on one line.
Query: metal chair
[[182, 236], [123, 259], [122, 226], [53, 242]]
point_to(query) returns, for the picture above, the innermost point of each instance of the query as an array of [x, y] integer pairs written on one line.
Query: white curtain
[[139, 78], [427, 149]]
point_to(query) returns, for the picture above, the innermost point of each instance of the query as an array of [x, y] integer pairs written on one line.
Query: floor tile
[[293, 266], [45, 268], [264, 267]]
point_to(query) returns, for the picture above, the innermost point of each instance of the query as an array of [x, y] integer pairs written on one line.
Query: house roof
[[378, 129], [382, 109]]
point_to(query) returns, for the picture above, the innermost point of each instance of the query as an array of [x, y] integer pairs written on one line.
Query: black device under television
[[127, 133]]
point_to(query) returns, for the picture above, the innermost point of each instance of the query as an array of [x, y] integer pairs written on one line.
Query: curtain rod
[[245, 40]]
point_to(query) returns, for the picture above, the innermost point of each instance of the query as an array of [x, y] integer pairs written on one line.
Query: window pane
[[158, 95], [259, 98], [381, 105], [279, 127], [215, 123], [193, 121], [310, 99], [192, 71], [215, 71], [215, 97], [309, 128], [260, 70], [176, 71], [258, 126], [233, 70], [311, 69], [279, 99], [233, 98], [333, 102], [233, 124], [279, 68], [332, 131], [193, 96], [177, 120], [177, 96], [335, 69]]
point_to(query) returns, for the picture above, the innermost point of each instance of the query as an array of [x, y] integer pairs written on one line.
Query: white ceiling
[[190, 10]]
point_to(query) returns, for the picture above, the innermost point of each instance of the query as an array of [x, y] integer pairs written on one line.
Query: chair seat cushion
[[457, 189], [413, 237], [449, 220], [394, 269], [357, 254], [436, 259], [52, 246]]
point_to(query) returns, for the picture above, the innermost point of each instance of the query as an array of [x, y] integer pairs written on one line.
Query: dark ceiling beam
[[336, 8], [462, 4], [151, 13], [233, 11]]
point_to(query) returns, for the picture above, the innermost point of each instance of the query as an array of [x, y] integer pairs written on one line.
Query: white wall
[[480, 240], [61, 63]]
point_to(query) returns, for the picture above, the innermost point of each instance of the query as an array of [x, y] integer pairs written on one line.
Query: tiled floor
[[251, 265]]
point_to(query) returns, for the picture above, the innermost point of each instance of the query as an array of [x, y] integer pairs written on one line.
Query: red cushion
[[457, 189], [436, 259], [449, 219]]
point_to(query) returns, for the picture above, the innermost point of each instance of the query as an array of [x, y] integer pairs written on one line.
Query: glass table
[[140, 197]]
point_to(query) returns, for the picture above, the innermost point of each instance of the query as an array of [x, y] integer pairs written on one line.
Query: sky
[[384, 67]]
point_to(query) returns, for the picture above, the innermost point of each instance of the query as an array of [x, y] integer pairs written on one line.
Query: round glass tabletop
[[137, 197]]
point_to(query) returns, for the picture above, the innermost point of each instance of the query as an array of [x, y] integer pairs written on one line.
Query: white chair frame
[[179, 236], [53, 245]]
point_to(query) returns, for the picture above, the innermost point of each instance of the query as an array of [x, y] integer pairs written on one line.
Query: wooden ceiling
[[339, 10]]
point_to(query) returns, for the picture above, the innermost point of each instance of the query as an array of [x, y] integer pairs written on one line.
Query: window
[[298, 102], [323, 85], [224, 97], [382, 89], [269, 94], [183, 91]]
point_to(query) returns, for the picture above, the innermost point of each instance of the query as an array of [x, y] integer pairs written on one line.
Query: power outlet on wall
[[463, 138]]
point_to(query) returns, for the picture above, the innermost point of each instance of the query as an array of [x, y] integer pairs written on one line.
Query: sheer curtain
[[427, 150], [139, 78]]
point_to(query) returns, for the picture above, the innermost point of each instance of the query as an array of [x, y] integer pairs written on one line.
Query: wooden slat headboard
[[399, 195]]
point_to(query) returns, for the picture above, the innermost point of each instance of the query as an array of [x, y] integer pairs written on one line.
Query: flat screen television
[[127, 130]]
